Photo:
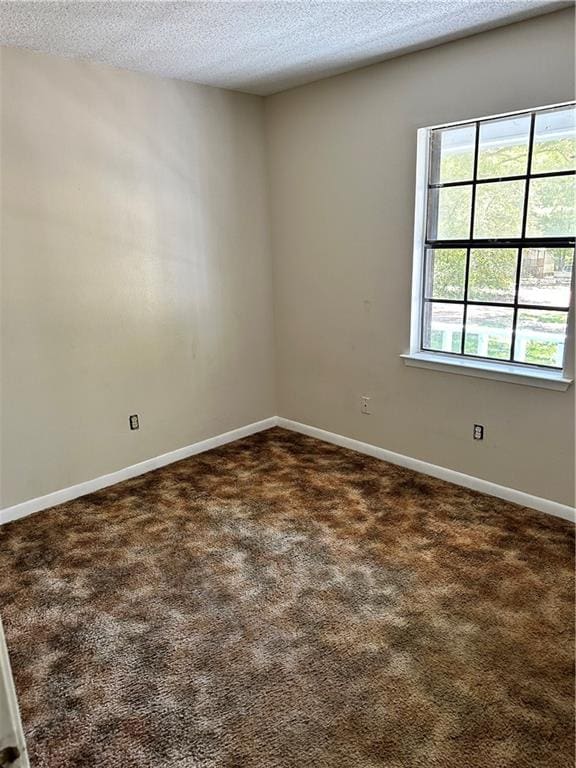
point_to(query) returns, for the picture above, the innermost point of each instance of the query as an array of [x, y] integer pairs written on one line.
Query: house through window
[[497, 250]]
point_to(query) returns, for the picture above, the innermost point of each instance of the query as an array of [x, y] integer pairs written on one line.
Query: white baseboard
[[73, 492], [467, 481], [475, 483]]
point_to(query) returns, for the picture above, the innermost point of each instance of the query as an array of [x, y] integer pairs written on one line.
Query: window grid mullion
[[465, 310], [502, 304], [503, 242], [529, 171], [495, 179], [516, 292], [523, 236], [472, 216]]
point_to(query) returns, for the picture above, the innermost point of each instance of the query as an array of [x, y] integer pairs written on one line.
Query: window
[[494, 246]]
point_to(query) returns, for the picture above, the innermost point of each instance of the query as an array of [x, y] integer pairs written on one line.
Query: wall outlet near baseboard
[[365, 405], [134, 422], [478, 432]]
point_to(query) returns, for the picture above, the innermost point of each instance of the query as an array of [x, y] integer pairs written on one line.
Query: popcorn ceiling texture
[[257, 47], [285, 603]]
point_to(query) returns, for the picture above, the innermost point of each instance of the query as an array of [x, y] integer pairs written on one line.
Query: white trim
[[420, 219], [501, 115], [515, 374], [467, 481], [11, 731], [73, 492]]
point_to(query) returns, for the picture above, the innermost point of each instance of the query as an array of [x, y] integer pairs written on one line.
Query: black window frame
[[518, 243]]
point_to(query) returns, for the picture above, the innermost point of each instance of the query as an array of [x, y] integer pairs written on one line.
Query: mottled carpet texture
[[284, 603]]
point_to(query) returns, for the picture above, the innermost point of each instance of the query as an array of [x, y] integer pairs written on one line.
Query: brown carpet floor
[[284, 603]]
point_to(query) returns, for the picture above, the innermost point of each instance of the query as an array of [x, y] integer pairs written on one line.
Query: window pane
[[511, 298], [499, 207], [546, 276], [453, 154], [554, 141], [540, 337], [492, 275], [503, 147], [445, 271], [489, 332], [443, 327], [552, 207], [452, 220]]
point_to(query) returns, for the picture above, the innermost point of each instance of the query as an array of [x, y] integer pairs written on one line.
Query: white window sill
[[516, 374]]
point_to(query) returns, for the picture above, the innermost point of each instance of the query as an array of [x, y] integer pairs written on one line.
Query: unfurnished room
[[287, 350]]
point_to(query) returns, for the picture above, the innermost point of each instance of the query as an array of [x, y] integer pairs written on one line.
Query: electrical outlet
[[365, 405], [134, 423], [478, 432]]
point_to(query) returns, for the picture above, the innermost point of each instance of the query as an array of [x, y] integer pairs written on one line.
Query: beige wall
[[137, 275], [342, 156], [136, 272]]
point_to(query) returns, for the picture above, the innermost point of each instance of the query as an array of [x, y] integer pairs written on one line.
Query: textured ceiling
[[258, 47]]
